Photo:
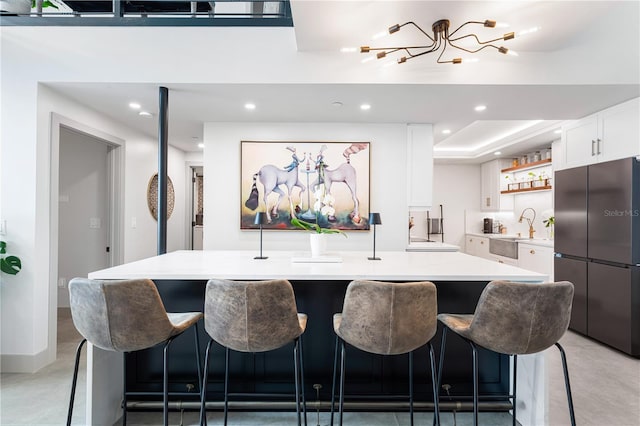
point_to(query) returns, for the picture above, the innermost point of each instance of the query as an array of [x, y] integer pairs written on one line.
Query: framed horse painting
[[318, 182]]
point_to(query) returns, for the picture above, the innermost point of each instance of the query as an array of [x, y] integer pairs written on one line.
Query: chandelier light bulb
[[512, 53], [528, 31]]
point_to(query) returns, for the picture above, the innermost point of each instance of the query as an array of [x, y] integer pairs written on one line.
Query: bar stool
[[253, 316], [126, 316], [387, 318], [514, 319]]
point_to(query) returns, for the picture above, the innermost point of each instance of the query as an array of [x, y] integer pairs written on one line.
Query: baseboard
[[25, 363]]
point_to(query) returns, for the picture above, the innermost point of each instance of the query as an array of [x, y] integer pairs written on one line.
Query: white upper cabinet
[[491, 199], [419, 166], [611, 134]]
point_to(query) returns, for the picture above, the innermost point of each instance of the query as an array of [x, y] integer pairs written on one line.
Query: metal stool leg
[[198, 361], [296, 361], [333, 386], [411, 387], [124, 389], [304, 401], [165, 383], [74, 381], [474, 355], [203, 394], [226, 385], [443, 342], [515, 375], [436, 403], [567, 384], [342, 367]]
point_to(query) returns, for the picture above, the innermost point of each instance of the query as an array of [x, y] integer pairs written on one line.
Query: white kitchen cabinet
[[477, 246], [610, 134], [491, 199], [536, 258], [419, 166]]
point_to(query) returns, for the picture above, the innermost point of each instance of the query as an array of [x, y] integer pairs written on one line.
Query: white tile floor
[[605, 384]]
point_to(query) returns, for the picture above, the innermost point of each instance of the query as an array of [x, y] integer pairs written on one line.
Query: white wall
[[28, 300], [222, 170], [457, 188]]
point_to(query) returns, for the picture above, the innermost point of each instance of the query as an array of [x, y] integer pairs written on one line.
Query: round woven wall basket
[[152, 196]]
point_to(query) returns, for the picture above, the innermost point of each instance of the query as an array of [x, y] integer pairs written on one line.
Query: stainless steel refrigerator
[[597, 245]]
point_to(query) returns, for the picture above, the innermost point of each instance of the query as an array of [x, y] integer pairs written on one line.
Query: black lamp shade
[[374, 219], [261, 218]]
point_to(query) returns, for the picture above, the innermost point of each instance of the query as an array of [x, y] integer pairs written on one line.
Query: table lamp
[[374, 219], [261, 219]]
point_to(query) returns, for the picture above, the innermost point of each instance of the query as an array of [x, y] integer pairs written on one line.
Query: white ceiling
[[323, 27]]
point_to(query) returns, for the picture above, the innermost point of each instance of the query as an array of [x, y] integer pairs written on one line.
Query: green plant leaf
[[10, 265]]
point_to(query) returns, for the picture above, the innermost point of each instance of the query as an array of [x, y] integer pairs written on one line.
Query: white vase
[[318, 244]]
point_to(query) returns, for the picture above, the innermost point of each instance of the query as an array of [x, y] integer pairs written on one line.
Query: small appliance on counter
[[488, 225]]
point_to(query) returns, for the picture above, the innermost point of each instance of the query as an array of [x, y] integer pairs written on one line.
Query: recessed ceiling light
[[337, 104], [201, 145], [497, 153], [134, 105], [145, 113], [349, 49], [365, 107], [250, 106], [480, 108], [446, 132]]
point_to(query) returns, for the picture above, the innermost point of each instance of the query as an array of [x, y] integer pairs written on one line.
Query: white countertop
[[431, 246], [543, 242], [394, 266]]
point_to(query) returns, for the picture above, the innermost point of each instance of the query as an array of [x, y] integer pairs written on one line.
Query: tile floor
[[605, 385]]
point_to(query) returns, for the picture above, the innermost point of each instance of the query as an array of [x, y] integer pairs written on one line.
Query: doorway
[[84, 218], [197, 207]]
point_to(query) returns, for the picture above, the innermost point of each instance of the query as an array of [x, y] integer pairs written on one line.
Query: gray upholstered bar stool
[[253, 316], [514, 319], [387, 319], [126, 316]]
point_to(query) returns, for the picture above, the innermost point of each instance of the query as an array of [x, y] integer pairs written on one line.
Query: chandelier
[[440, 41]]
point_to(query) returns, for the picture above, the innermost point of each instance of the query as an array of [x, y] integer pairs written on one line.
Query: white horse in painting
[[344, 173], [271, 178]]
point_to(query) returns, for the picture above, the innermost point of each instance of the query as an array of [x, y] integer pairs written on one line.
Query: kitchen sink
[[507, 247]]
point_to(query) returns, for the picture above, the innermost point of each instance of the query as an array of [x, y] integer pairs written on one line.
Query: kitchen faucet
[[530, 221]]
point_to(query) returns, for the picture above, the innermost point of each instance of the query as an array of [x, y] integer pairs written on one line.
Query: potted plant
[[9, 264], [548, 223], [323, 207]]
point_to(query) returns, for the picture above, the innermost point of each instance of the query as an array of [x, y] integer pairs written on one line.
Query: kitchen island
[[319, 287]]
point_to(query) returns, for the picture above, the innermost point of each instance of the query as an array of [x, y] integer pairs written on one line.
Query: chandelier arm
[[442, 53], [474, 51], [395, 49], [477, 39], [419, 29], [468, 22], [411, 55]]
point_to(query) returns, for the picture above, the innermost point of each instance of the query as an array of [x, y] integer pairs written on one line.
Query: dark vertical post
[[163, 151], [117, 10]]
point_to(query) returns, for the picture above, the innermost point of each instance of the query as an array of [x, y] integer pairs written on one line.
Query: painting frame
[[341, 169]]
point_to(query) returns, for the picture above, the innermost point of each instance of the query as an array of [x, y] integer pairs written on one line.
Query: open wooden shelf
[[537, 188], [527, 166]]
